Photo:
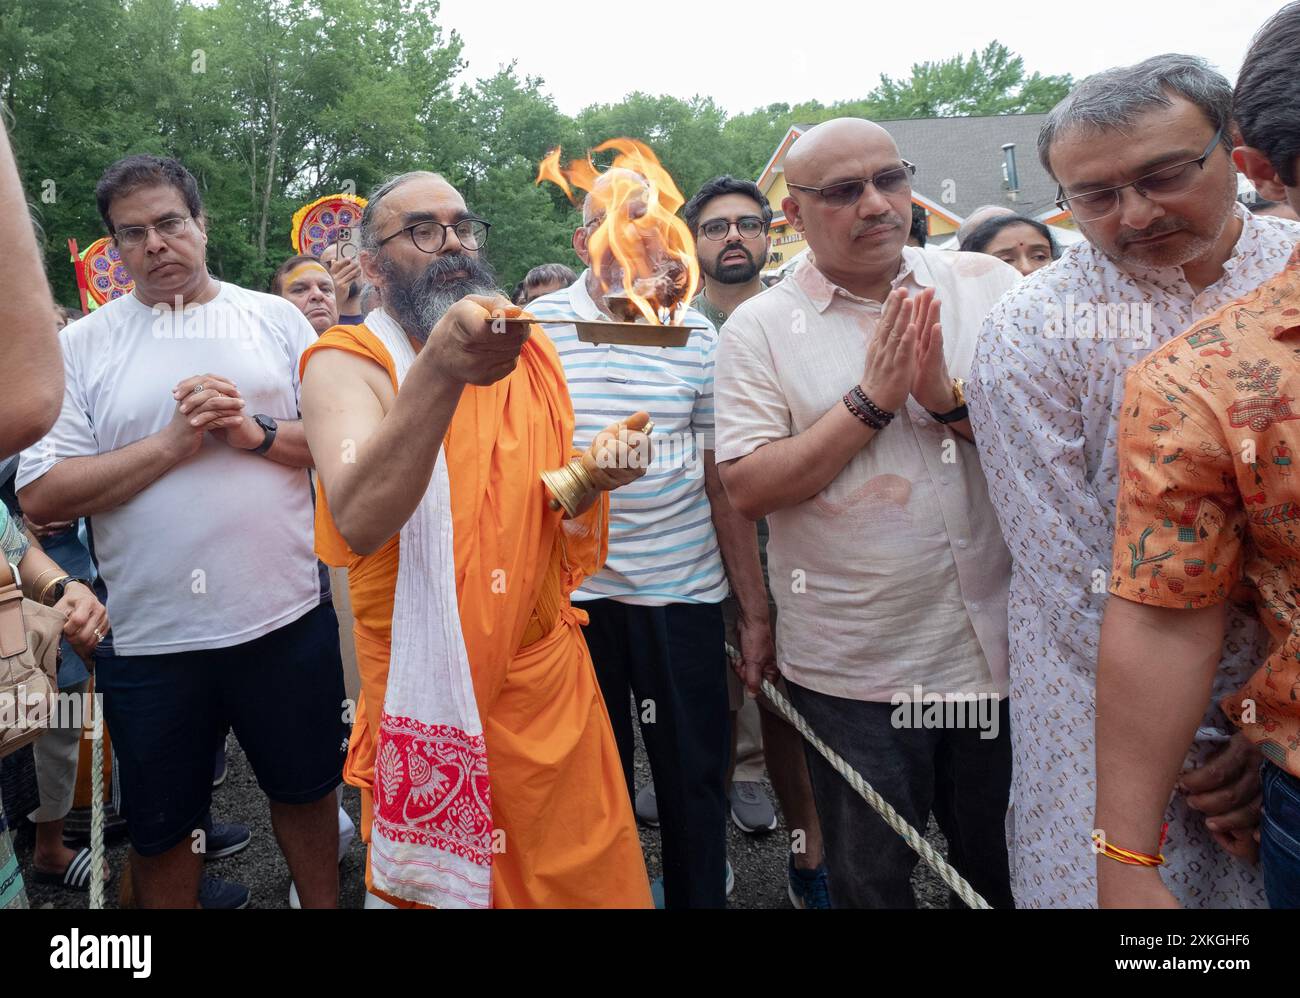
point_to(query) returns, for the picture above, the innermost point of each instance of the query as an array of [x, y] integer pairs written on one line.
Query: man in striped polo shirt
[[656, 607]]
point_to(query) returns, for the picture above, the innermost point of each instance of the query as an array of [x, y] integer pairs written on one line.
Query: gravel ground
[[759, 861]]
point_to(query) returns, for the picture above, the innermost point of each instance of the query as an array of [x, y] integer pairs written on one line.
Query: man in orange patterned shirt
[[1208, 502]]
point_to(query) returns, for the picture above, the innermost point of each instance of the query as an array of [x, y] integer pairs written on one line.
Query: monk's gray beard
[[418, 302]]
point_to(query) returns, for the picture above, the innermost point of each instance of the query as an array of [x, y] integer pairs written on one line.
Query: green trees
[[271, 103]]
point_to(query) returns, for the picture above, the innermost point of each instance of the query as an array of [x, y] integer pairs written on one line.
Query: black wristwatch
[[958, 414], [57, 589], [269, 426]]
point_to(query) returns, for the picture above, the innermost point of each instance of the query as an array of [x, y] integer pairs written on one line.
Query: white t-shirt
[[218, 551]]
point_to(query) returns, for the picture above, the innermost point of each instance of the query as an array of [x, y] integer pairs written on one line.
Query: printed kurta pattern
[[1045, 400], [1209, 499]]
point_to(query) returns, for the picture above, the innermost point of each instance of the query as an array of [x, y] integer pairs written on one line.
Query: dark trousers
[[672, 658], [1279, 837], [965, 780]]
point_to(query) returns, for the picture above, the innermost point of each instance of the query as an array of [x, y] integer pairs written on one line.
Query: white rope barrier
[[97, 806], [869, 794]]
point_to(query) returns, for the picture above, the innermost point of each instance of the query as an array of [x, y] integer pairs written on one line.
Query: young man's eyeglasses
[[847, 192], [134, 235], [749, 227], [1167, 183], [429, 235]]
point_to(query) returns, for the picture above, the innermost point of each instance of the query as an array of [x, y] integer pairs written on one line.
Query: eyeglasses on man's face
[[847, 192], [749, 227], [1158, 186], [134, 235], [429, 235]]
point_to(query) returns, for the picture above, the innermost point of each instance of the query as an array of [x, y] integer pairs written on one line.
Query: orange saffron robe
[[564, 835]]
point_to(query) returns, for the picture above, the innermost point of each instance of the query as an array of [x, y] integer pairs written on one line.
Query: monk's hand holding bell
[[471, 348], [620, 454]]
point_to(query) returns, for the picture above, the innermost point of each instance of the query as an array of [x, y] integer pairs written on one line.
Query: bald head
[[596, 201], [818, 155], [856, 230], [978, 217]]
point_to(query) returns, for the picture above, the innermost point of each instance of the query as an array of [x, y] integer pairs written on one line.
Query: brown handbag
[[29, 661]]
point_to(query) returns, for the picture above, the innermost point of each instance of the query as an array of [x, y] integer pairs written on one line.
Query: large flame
[[637, 202]]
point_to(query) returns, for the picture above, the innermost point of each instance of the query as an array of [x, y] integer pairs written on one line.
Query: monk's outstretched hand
[[620, 453], [470, 347]]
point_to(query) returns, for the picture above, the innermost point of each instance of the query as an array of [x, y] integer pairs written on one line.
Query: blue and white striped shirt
[[662, 547]]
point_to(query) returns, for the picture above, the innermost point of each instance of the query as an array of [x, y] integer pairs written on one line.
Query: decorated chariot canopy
[[101, 274], [331, 219]]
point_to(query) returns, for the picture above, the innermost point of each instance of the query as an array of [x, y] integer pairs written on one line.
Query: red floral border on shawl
[[431, 788]]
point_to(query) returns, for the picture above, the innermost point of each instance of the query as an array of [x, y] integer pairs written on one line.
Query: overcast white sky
[[751, 53]]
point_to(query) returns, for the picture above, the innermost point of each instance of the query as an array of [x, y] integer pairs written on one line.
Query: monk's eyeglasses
[[429, 235]]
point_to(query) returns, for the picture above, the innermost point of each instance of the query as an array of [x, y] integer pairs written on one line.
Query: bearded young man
[[488, 770], [1142, 156], [730, 220]]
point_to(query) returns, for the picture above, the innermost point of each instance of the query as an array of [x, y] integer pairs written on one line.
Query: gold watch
[[959, 412]]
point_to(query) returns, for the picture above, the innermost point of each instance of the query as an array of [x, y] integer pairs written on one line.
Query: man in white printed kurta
[[1046, 390]]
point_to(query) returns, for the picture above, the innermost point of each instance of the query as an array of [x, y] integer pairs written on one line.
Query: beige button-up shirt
[[895, 575]]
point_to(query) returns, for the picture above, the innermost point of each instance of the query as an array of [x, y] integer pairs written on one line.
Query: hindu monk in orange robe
[[496, 404]]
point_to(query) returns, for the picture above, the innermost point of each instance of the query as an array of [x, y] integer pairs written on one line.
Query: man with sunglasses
[[730, 220], [488, 771], [1142, 156], [179, 441], [839, 419]]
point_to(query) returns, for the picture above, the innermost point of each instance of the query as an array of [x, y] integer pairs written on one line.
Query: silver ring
[[199, 388], [99, 635]]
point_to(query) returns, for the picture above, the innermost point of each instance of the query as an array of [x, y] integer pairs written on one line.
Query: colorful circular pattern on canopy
[[106, 276], [326, 220]]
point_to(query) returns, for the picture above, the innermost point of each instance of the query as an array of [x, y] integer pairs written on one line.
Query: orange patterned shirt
[[1209, 499]]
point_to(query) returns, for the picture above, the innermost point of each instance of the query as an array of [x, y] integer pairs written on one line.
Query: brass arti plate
[[638, 334], [634, 334]]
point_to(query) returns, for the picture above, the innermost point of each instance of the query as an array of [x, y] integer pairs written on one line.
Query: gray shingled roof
[[968, 151]]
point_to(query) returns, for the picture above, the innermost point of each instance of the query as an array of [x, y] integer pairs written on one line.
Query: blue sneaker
[[216, 894], [226, 839], [808, 888]]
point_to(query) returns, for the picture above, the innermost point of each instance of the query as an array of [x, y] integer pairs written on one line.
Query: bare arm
[[1154, 679], [290, 445], [375, 450], [86, 620], [360, 432], [784, 473], [34, 370], [738, 543], [83, 486]]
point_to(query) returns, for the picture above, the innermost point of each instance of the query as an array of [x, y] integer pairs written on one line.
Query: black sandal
[[75, 877]]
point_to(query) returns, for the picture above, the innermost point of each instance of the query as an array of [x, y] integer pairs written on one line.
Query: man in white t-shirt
[[179, 440], [837, 420]]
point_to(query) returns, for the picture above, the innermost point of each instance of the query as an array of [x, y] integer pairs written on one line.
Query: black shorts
[[282, 694]]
